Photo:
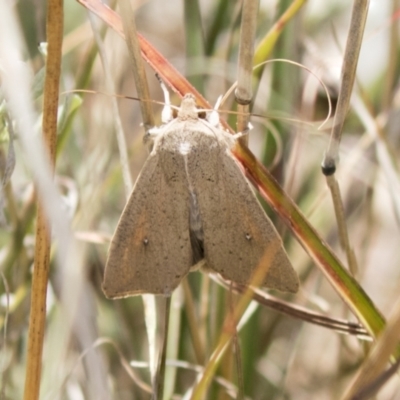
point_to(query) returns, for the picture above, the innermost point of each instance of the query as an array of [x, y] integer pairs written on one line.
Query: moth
[[191, 202]]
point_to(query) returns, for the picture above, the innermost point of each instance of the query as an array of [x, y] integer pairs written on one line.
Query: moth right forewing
[[150, 251], [238, 235]]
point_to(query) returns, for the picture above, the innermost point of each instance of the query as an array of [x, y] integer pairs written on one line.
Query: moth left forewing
[[238, 235], [150, 251]]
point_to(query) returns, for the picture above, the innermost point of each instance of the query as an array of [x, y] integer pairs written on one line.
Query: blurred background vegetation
[[88, 357]]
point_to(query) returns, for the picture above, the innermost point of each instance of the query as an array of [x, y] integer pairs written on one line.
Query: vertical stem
[[243, 92], [159, 384], [138, 70], [350, 62], [342, 227], [37, 319], [195, 63]]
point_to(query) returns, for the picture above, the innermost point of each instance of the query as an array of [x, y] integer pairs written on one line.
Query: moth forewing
[[238, 235], [150, 251]]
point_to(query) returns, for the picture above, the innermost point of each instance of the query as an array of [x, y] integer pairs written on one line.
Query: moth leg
[[213, 116], [213, 120], [243, 133], [150, 136], [166, 114]]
